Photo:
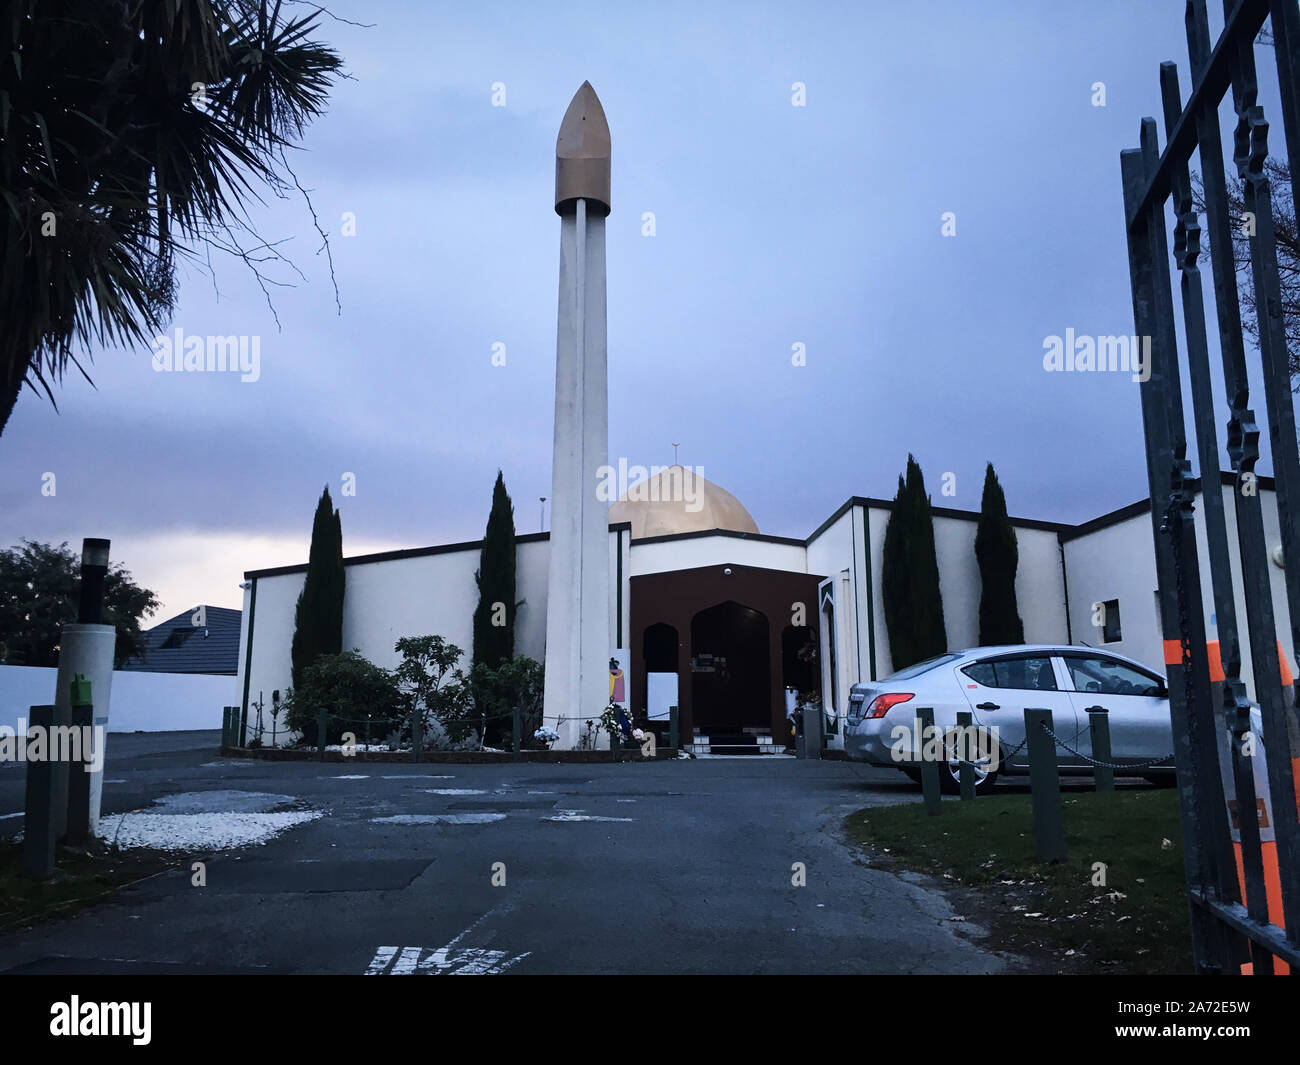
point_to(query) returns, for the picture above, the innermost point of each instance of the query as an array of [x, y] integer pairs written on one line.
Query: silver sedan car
[[996, 684]]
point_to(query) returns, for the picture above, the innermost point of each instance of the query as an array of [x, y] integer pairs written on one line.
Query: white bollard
[[88, 650]]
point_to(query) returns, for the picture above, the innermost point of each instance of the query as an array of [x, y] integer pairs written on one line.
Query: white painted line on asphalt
[[352, 776], [439, 819], [453, 791], [380, 961], [4, 817], [578, 815], [450, 960], [405, 964], [421, 776], [445, 961]]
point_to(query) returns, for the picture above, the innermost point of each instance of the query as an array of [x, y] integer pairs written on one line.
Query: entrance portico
[[732, 628]]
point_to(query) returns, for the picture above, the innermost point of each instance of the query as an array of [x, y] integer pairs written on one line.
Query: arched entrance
[[665, 605], [731, 670]]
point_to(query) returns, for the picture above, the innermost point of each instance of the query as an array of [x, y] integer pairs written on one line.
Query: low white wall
[[140, 702]]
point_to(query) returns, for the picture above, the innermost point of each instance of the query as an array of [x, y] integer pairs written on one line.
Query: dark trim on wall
[[412, 552], [618, 613], [1115, 517], [857, 614], [1143, 506], [938, 512], [248, 652], [762, 538], [871, 592], [1065, 586], [1064, 531]]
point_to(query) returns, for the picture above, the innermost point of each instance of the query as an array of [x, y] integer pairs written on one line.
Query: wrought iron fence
[[1210, 716]]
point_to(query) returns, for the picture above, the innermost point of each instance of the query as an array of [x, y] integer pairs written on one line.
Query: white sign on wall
[[661, 693]]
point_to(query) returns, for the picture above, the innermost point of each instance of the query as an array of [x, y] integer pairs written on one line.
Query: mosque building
[[711, 615]]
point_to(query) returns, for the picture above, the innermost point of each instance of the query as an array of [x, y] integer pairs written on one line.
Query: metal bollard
[[812, 731], [83, 721], [516, 725], [38, 808], [672, 728], [1099, 726], [1045, 786], [929, 767], [322, 716], [966, 750]]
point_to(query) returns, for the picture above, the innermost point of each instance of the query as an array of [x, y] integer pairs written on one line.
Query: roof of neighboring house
[[177, 645]]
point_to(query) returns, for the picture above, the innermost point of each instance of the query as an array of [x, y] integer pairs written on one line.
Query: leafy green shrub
[[495, 690], [354, 691], [430, 685]]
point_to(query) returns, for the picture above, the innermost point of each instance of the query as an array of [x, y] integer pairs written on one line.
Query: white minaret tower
[[577, 598]]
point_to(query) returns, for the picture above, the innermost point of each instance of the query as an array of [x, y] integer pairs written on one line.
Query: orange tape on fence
[[1268, 848]]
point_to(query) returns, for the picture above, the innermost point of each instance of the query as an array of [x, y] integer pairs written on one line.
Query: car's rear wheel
[[983, 759]]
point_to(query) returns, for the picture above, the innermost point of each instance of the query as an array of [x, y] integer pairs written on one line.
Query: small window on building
[[1110, 629], [178, 636]]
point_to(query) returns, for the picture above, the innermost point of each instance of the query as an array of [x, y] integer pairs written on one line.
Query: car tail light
[[882, 704]]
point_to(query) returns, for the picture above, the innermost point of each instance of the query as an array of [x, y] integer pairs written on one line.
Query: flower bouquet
[[546, 736]]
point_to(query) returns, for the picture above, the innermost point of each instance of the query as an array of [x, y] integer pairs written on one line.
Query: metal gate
[[1225, 932]]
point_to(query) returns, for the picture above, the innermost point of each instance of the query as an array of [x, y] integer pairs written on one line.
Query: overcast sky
[[775, 225]]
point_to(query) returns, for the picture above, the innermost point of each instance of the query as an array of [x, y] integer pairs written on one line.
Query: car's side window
[[1106, 676], [1028, 673]]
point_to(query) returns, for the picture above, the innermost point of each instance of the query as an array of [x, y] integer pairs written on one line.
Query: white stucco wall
[[697, 551], [431, 594], [840, 546], [1118, 562], [1040, 593], [1277, 578], [140, 701]]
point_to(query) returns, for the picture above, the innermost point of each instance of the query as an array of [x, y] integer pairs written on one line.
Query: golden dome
[[679, 500]]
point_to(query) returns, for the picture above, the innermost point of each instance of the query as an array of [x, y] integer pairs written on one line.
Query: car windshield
[[922, 667]]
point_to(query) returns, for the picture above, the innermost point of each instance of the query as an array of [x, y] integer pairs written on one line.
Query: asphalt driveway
[[682, 867]]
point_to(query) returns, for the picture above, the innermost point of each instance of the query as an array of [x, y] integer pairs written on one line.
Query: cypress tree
[[494, 618], [318, 618], [998, 556], [929, 632], [894, 580], [910, 575]]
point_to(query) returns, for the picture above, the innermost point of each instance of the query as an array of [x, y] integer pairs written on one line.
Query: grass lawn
[[80, 877], [1059, 914]]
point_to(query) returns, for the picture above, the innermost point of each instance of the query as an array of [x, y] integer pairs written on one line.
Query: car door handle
[[987, 706], [1096, 710]]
